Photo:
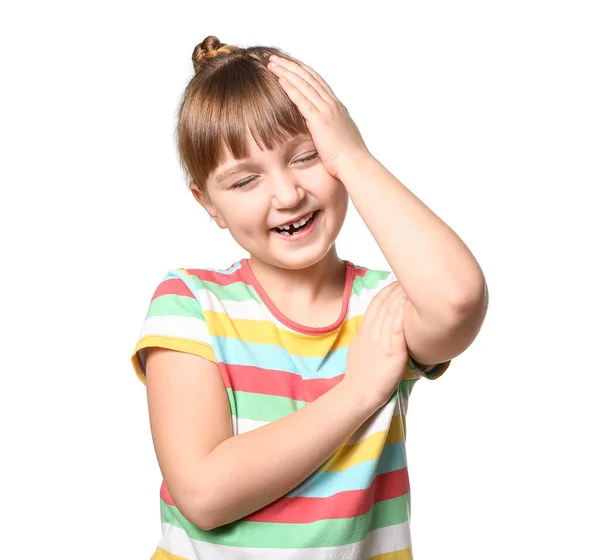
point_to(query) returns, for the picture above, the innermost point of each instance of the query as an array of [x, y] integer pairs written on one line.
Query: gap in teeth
[[296, 225]]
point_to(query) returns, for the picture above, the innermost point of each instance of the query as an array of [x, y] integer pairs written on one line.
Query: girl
[[278, 387]]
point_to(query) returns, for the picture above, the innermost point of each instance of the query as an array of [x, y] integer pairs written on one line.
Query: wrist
[[350, 164], [358, 398]]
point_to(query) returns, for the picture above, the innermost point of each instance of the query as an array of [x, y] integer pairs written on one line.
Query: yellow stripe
[[265, 332], [369, 449], [405, 554], [161, 554], [188, 346]]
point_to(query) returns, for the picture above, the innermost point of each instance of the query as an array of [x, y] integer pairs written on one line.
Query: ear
[[204, 200]]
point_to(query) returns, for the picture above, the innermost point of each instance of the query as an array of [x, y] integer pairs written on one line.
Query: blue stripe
[[275, 357], [357, 477]]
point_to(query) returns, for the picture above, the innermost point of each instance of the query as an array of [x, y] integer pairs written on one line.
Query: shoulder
[[181, 290], [369, 281], [207, 279]]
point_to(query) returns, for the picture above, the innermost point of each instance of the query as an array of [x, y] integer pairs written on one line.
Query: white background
[[487, 111]]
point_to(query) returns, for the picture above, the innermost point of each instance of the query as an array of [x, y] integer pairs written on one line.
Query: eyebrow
[[246, 162]]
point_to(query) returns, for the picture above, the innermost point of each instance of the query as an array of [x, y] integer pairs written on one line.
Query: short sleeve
[[175, 320], [430, 372]]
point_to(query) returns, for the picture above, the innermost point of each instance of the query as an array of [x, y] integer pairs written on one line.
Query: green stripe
[[171, 304], [369, 281], [406, 387], [263, 408], [236, 291], [186, 306], [327, 532], [435, 372]]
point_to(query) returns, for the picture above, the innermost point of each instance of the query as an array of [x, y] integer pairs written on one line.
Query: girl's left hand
[[334, 133]]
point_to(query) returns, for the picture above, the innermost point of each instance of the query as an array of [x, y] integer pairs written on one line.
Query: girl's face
[[272, 188]]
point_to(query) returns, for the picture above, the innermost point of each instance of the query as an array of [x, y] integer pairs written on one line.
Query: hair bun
[[209, 48]]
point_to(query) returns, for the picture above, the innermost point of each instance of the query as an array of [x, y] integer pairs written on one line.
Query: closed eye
[[309, 157], [251, 180]]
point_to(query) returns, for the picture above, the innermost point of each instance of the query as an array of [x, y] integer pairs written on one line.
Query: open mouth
[[291, 230]]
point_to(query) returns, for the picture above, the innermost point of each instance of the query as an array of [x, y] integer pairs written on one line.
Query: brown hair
[[232, 93]]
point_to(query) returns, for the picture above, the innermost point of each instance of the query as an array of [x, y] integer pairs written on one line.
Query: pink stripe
[[279, 383], [340, 505]]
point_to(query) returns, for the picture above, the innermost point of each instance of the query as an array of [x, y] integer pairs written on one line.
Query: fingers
[[304, 87], [302, 80], [323, 83], [310, 75], [396, 336], [372, 312], [389, 315]]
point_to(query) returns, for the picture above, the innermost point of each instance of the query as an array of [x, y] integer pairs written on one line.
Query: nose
[[287, 192]]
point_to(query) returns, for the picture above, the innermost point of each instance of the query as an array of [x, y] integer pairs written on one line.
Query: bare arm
[[215, 478], [249, 471], [436, 269]]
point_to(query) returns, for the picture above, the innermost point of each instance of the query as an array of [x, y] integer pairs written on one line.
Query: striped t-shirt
[[356, 505]]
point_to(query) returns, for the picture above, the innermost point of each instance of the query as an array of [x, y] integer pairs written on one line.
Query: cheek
[[341, 194], [336, 194], [248, 215], [339, 202]]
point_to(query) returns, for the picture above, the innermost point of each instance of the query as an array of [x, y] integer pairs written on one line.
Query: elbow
[[473, 300], [202, 518], [205, 521], [200, 510], [207, 524]]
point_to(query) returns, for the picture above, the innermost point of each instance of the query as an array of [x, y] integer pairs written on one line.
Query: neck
[[321, 281]]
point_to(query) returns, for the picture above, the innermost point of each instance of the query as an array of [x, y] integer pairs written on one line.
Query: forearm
[[249, 471], [433, 265]]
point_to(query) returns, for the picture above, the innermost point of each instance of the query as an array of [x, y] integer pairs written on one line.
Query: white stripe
[[176, 326], [253, 310], [379, 421], [380, 541], [360, 303]]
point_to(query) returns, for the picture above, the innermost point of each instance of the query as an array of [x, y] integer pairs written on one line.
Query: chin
[[290, 260], [304, 259]]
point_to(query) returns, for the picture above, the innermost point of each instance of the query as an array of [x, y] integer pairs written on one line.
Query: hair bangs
[[225, 109], [257, 109]]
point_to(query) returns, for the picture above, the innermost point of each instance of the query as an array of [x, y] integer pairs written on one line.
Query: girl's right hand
[[378, 355]]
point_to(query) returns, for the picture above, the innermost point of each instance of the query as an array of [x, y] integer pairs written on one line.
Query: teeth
[[299, 223]]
